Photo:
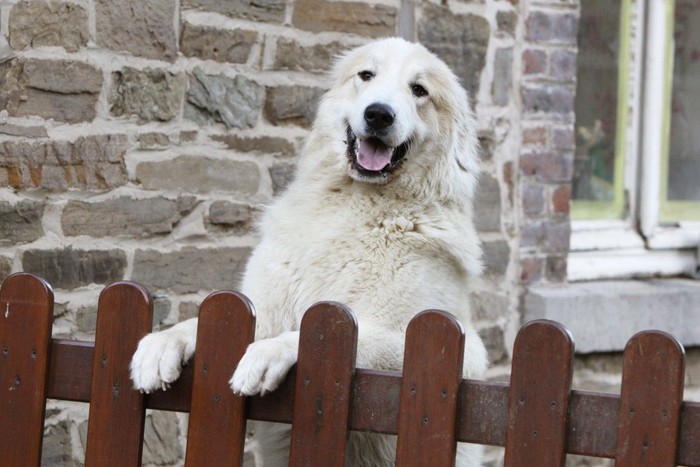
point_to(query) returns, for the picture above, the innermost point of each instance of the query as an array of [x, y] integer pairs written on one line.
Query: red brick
[[535, 136], [534, 62], [555, 268], [561, 199], [531, 270], [532, 198], [548, 167]]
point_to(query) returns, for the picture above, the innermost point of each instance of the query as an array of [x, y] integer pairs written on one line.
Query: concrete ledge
[[602, 316]]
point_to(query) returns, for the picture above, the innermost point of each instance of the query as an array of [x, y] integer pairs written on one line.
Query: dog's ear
[[464, 148]]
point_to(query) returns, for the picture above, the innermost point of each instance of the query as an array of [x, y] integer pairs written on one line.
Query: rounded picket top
[[26, 308], [431, 376], [545, 330], [334, 312], [651, 398], [222, 303], [655, 339], [225, 328], [125, 295], [428, 320], [26, 284], [117, 412], [323, 386], [540, 388]]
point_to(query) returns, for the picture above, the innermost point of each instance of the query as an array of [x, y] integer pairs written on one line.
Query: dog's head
[[400, 113]]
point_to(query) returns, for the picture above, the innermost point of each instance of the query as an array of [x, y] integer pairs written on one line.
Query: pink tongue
[[373, 155]]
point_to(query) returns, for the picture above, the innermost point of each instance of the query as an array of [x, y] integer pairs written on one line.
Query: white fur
[[387, 248]]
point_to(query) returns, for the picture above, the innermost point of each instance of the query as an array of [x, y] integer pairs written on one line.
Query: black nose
[[379, 116]]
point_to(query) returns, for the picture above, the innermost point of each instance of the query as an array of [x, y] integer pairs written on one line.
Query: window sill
[[603, 315]]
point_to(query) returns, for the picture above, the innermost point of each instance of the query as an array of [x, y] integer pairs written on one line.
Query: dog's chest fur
[[373, 253]]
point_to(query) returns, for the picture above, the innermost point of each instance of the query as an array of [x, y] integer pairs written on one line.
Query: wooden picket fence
[[537, 416]]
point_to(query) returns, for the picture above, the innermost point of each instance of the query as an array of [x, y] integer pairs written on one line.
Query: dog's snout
[[379, 116]]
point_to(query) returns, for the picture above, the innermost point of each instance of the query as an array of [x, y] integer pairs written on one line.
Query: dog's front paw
[[263, 367], [159, 359]]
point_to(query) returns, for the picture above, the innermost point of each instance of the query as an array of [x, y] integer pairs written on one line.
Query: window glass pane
[[597, 183], [684, 143]]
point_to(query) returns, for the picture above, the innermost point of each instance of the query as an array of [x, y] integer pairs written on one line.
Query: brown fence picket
[[540, 387], [226, 326], [117, 411], [650, 401], [26, 315], [432, 372], [325, 367]]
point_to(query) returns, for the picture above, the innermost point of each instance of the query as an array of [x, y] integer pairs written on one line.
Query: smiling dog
[[378, 217]]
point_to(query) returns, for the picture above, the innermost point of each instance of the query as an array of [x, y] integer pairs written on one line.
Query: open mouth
[[371, 157]]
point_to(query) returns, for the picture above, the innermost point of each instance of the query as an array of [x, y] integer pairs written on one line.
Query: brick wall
[[139, 138]]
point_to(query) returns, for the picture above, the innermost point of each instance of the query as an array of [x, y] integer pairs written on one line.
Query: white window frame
[[639, 246]]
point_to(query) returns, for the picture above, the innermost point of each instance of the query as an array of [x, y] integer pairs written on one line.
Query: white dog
[[378, 217]]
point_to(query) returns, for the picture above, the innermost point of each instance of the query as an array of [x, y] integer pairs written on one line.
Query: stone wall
[[138, 140]]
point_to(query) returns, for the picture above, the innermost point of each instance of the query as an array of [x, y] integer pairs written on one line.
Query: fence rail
[[537, 416]]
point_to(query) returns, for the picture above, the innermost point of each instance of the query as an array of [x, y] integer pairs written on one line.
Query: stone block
[[257, 144], [489, 306], [57, 448], [532, 199], [228, 214], [487, 144], [461, 40], [563, 138], [200, 174], [63, 76], [151, 94], [235, 102], [506, 21], [20, 222], [318, 58], [190, 269], [555, 269], [120, 217], [28, 131], [281, 174], [86, 319], [548, 167], [63, 90], [350, 17], [144, 29], [603, 315], [221, 45], [534, 62], [531, 269], [188, 310], [550, 98], [562, 65], [494, 342], [269, 11], [70, 268], [5, 267], [550, 235], [496, 256], [91, 162], [551, 27], [39, 24], [154, 140], [487, 204], [292, 105], [502, 76], [161, 443]]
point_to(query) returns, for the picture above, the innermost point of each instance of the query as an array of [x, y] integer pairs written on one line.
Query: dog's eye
[[365, 75], [419, 91]]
